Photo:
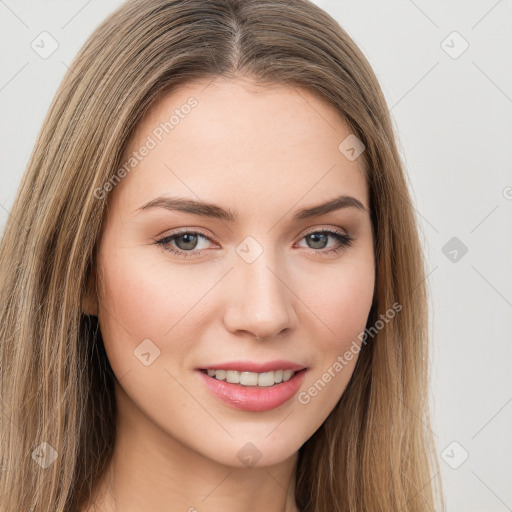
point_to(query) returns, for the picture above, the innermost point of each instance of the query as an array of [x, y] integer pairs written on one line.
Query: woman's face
[[262, 279]]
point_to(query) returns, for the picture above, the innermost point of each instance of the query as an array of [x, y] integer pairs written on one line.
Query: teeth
[[265, 379]]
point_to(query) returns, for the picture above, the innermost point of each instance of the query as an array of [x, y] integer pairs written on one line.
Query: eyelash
[[344, 239]]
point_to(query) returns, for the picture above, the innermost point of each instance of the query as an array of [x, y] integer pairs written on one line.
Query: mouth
[[251, 391], [251, 379], [253, 386]]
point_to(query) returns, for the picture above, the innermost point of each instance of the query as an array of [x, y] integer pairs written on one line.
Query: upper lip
[[253, 366]]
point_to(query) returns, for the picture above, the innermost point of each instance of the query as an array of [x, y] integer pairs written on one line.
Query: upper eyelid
[[336, 230]]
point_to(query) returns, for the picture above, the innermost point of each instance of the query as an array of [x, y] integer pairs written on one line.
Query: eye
[[186, 243], [319, 240]]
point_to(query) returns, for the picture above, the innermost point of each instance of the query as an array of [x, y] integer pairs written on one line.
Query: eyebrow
[[212, 210]]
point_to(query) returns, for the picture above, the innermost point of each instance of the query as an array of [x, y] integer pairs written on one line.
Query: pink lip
[[252, 366], [252, 398]]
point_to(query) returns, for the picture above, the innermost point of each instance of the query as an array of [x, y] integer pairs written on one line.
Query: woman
[[212, 285]]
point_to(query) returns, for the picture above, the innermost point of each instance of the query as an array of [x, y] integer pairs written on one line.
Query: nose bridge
[[261, 303]]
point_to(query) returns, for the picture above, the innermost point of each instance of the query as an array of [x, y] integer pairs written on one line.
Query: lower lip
[[251, 398]]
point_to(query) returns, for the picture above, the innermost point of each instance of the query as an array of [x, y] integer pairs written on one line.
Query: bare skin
[[264, 154]]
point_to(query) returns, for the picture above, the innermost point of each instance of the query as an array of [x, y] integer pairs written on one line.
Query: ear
[[90, 299]]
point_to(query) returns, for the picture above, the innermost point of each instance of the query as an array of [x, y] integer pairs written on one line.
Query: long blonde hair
[[374, 452]]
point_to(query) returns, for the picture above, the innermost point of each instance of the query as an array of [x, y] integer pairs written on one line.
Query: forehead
[[234, 138]]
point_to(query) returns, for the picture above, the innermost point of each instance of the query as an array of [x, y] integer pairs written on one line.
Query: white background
[[453, 121]]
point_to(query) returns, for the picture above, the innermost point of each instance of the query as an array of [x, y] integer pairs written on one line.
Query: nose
[[260, 301]]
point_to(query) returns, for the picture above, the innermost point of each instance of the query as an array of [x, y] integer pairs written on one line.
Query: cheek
[[148, 298], [344, 304], [351, 303]]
